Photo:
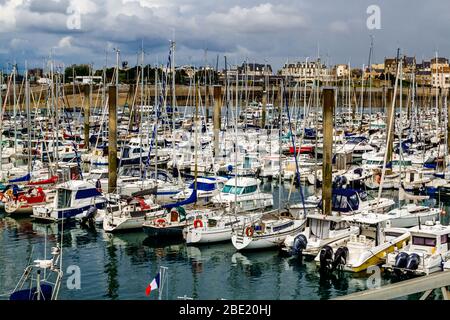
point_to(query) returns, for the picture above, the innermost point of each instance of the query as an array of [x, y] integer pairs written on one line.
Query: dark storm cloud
[[274, 30]]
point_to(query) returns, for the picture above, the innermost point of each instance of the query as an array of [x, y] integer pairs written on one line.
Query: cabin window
[[250, 189], [232, 189], [212, 223], [126, 153], [226, 189], [64, 197], [247, 163], [422, 241], [444, 238]]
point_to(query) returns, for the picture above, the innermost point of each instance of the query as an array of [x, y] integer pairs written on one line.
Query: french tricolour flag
[[153, 285]]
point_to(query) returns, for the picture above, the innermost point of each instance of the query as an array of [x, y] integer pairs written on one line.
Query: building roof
[[439, 60]]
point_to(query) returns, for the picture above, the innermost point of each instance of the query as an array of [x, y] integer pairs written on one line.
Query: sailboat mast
[[280, 127], [196, 131], [27, 104], [15, 106], [370, 80], [236, 141], [141, 111], [156, 124], [173, 91]]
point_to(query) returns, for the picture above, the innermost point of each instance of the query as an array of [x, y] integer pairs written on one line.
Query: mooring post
[[328, 110], [207, 102], [264, 107], [87, 114], [112, 140], [216, 117]]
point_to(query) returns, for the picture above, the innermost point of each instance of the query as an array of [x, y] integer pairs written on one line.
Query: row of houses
[[434, 72]]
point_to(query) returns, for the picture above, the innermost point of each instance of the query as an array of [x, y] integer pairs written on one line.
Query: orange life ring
[[249, 232], [378, 178], [198, 223], [161, 222]]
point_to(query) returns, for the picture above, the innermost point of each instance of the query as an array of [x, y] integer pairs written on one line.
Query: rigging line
[[295, 157]]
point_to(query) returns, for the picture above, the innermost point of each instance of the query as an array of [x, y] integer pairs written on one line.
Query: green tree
[[80, 70]]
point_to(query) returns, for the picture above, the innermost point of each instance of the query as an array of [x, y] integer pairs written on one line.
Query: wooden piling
[[112, 140], [328, 110], [264, 108], [216, 117]]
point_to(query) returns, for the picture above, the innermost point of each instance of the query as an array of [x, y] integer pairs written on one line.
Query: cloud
[[261, 18], [19, 43], [254, 29], [339, 27], [65, 42], [8, 14]]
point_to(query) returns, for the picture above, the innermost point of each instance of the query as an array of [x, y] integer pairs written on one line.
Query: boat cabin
[[429, 238]]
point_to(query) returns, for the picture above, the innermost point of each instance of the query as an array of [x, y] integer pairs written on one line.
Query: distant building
[[44, 81], [438, 63], [88, 79], [423, 77], [408, 63], [340, 70], [440, 78], [424, 66], [255, 69], [390, 66], [306, 71]]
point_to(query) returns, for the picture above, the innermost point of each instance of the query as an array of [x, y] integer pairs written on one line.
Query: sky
[[272, 31]]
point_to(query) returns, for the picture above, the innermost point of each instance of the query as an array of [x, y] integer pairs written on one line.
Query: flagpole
[[162, 272]]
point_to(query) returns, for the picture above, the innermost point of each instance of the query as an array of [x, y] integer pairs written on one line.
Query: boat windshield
[[232, 189]]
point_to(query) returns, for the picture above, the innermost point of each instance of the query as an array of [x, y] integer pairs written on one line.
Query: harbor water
[[120, 266]]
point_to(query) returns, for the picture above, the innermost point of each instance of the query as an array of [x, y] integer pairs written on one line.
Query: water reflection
[[118, 266], [111, 271]]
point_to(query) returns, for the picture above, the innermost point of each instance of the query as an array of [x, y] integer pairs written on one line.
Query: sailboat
[[129, 214], [41, 280], [272, 228]]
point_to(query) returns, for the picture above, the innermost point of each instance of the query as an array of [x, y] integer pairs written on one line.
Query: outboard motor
[[401, 259], [340, 258], [89, 219], [344, 181], [299, 244], [413, 261], [337, 182], [358, 171], [326, 258]]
